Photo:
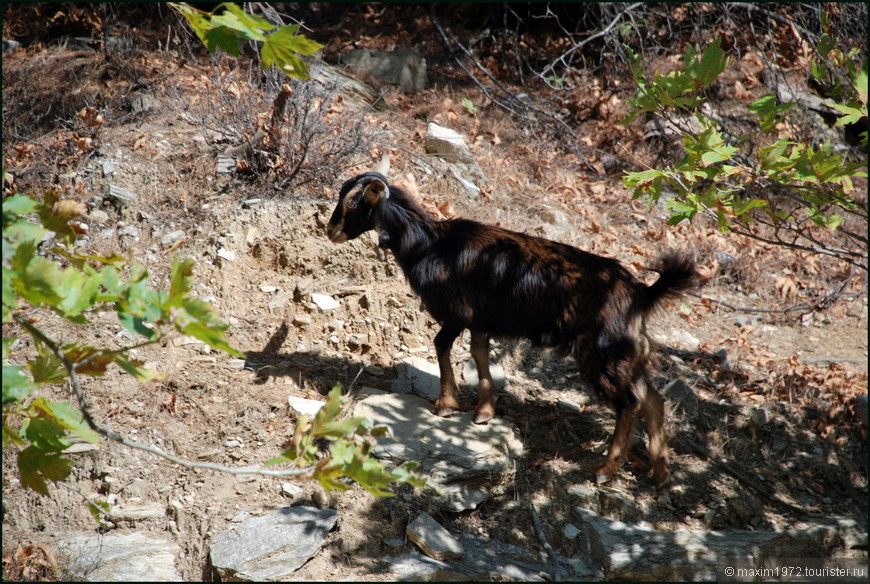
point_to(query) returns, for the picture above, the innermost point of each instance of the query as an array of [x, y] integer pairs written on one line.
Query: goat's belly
[[541, 323]]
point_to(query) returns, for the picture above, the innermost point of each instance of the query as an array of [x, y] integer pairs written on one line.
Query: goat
[[501, 283]]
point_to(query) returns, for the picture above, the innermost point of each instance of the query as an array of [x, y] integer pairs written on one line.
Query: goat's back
[[510, 284]]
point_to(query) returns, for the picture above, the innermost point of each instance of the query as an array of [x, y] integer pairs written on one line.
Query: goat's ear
[[375, 191]]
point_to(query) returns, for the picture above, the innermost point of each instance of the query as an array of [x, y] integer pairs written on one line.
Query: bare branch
[[587, 40], [112, 435], [828, 298]]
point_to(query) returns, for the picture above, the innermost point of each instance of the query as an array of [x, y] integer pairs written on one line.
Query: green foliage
[[351, 440], [225, 27], [42, 272], [738, 183]]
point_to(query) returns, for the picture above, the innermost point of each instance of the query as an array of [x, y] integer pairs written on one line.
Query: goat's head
[[358, 202]]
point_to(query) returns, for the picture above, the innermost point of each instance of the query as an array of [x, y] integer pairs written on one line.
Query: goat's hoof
[[662, 483], [445, 412], [606, 470], [601, 478], [661, 474], [483, 417]]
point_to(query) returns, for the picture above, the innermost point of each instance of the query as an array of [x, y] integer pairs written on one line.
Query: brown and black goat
[[500, 283]]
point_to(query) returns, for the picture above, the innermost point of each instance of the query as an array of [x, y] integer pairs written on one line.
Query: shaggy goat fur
[[500, 283]]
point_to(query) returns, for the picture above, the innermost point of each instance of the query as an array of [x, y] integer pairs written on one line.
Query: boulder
[[405, 68], [449, 146]]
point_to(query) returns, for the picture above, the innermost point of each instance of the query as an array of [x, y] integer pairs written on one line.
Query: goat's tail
[[676, 274]]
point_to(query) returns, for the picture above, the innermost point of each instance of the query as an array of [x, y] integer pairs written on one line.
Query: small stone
[[569, 407], [268, 289], [374, 370], [121, 195], [129, 231], [290, 490], [236, 363], [248, 203], [305, 407], [583, 491], [172, 238], [722, 359], [571, 531], [98, 216], [110, 168], [760, 417], [325, 302], [303, 286], [435, 541], [302, 319], [225, 164], [81, 448], [141, 512], [226, 254]]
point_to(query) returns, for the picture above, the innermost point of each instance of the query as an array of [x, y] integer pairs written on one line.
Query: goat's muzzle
[[335, 233]]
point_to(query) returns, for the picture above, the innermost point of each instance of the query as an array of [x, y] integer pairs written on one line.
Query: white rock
[[305, 407], [325, 302], [226, 254]]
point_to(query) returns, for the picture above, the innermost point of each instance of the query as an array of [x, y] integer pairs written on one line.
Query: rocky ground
[[766, 422]]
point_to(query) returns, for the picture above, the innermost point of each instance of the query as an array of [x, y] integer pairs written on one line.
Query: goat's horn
[[383, 166]]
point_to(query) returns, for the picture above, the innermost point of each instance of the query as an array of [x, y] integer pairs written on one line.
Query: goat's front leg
[[448, 401], [485, 409]]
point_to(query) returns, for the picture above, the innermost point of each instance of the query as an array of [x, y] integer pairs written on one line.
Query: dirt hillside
[[260, 248]]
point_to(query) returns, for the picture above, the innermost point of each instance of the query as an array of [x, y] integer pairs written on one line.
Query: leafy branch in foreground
[[765, 185], [349, 453], [43, 271], [225, 27]]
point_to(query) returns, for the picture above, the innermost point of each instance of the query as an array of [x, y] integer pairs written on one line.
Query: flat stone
[[121, 195], [435, 541], [469, 460], [273, 546], [110, 168], [81, 448], [418, 376], [121, 557], [141, 512]]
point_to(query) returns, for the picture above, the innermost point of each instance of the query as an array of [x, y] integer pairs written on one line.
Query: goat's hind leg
[[653, 407], [485, 409], [448, 401]]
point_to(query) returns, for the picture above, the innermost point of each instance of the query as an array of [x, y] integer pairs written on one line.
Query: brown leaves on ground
[[30, 563]]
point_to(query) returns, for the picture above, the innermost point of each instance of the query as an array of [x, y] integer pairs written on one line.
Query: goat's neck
[[405, 228]]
